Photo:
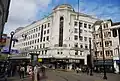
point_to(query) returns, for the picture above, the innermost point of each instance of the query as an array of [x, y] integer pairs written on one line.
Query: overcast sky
[[24, 12]]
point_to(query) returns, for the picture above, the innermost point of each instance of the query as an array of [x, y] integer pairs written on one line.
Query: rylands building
[[63, 36]]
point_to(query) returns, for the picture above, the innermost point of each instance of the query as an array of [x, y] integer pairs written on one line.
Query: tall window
[[45, 52], [35, 41], [81, 38], [76, 52], [75, 37], [41, 34], [85, 25], [81, 46], [114, 33], [75, 31], [40, 45], [75, 23], [38, 41], [105, 25], [85, 38], [45, 26], [36, 29], [89, 26], [44, 39], [38, 34], [44, 32], [47, 31], [80, 24], [47, 38], [43, 45], [61, 31], [76, 45], [86, 46], [48, 24]]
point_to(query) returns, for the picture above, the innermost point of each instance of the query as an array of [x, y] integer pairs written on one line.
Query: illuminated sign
[[6, 50], [39, 60], [2, 42]]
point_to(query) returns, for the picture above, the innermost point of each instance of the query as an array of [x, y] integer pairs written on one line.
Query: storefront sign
[[100, 62], [118, 61]]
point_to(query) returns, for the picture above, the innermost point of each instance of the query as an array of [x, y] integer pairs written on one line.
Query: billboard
[[3, 40], [6, 50]]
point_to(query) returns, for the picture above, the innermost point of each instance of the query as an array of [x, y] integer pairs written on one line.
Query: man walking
[[22, 71]]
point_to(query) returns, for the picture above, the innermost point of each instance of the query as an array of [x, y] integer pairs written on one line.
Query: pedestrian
[[18, 69], [36, 73], [31, 73], [9, 70], [22, 71], [43, 70], [28, 69], [87, 69]]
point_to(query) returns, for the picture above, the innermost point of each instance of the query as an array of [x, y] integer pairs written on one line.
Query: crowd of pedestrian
[[23, 70], [34, 72]]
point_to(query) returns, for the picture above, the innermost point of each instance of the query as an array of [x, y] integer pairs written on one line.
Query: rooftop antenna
[[78, 11]]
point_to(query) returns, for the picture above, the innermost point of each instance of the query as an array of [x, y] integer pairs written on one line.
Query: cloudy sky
[[24, 12]]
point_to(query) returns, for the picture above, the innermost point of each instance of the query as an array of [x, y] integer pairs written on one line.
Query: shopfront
[[109, 65]]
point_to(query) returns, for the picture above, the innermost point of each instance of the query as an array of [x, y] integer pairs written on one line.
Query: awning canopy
[[107, 62]]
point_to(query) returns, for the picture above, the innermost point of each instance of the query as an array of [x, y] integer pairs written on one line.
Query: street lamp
[[91, 74], [104, 77], [12, 33]]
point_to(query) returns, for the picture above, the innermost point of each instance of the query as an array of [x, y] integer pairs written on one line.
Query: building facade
[[63, 35], [110, 44]]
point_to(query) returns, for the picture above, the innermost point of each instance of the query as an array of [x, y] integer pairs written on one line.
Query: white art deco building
[[62, 35]]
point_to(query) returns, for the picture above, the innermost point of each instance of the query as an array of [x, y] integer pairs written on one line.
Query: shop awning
[[107, 62]]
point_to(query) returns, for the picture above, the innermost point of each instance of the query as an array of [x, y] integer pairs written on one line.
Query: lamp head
[[12, 33]]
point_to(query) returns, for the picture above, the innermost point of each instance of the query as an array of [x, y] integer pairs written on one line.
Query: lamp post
[[104, 77], [91, 74], [12, 34]]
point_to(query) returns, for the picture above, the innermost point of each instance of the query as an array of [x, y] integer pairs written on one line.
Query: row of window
[[105, 34], [36, 41], [41, 52], [37, 35], [107, 53], [81, 46], [81, 24], [76, 53], [37, 29], [107, 44], [80, 31], [81, 38], [35, 47]]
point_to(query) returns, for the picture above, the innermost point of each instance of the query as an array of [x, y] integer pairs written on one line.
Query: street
[[53, 75]]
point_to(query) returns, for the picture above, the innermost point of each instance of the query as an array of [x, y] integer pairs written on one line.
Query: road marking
[[100, 80], [49, 80]]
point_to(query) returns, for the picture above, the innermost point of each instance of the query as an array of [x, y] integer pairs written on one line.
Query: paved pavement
[[53, 75]]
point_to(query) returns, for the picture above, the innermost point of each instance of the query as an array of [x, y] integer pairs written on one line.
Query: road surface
[[53, 75]]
